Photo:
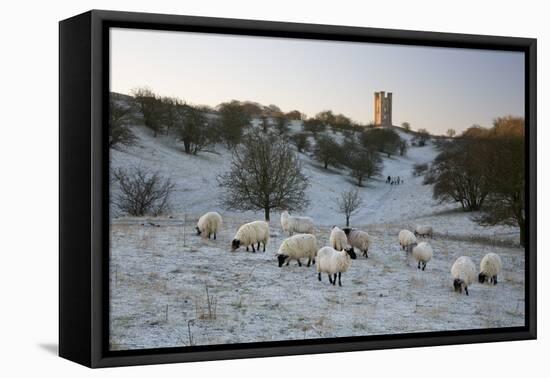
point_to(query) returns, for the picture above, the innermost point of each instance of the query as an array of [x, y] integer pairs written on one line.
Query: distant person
[[388, 180]]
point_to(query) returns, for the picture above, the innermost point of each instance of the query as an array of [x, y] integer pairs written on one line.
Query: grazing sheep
[[338, 239], [463, 272], [407, 240], [331, 261], [423, 253], [292, 224], [358, 239], [490, 267], [296, 247], [251, 233], [424, 231], [209, 224]]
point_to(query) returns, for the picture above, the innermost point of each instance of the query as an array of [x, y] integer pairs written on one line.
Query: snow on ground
[[159, 275]]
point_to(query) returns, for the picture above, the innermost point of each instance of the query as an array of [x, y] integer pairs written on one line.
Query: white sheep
[[209, 224], [334, 262], [292, 224], [423, 253], [490, 267], [424, 231], [358, 239], [338, 239], [250, 234], [407, 240], [296, 247], [463, 272]]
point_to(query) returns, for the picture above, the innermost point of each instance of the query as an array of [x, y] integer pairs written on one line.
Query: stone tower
[[382, 108]]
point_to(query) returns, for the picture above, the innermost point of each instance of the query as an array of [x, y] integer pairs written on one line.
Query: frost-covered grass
[[159, 275]]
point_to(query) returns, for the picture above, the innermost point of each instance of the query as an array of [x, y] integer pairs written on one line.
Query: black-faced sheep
[[407, 240], [424, 231], [423, 253], [463, 272], [338, 239], [250, 234], [297, 247], [209, 224], [490, 267], [334, 262], [358, 239]]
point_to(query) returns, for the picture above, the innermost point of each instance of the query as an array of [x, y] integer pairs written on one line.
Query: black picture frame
[[84, 186]]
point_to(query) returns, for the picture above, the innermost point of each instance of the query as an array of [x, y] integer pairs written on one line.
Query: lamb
[[338, 239], [424, 231], [490, 267], [423, 253], [407, 240], [296, 247], [209, 224], [251, 233], [292, 224], [358, 239], [331, 261], [463, 272]]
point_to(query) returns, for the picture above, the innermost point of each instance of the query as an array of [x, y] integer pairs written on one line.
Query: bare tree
[[451, 133], [348, 203], [281, 125], [119, 119], [233, 120], [265, 174], [142, 192], [327, 151], [301, 141], [406, 126]]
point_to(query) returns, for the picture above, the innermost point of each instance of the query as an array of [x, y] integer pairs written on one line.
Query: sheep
[[338, 239], [251, 233], [490, 267], [331, 261], [292, 224], [296, 247], [463, 272], [209, 224], [424, 231], [423, 253], [358, 239], [407, 240]]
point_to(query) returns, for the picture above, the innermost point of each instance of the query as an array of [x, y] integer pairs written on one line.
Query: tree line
[[483, 169]]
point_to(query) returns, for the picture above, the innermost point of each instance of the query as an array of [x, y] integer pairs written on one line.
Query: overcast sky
[[433, 88]]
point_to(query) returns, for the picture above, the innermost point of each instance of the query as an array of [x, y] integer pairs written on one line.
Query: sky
[[433, 88]]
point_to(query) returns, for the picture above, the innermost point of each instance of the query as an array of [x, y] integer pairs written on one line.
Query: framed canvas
[[235, 188]]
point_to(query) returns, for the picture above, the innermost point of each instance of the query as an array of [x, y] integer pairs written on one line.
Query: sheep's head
[[351, 253], [482, 277], [282, 259], [347, 230], [198, 230], [235, 244], [457, 283]]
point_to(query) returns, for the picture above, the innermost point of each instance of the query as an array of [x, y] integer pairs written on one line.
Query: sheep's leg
[[308, 262], [253, 250], [334, 280], [419, 265], [214, 236], [209, 235], [494, 280], [466, 290], [339, 278], [330, 278], [246, 248], [319, 275], [424, 266], [287, 262], [299, 262], [258, 246], [264, 247]]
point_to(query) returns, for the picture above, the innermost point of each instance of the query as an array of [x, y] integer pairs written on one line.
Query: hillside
[[398, 205]]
